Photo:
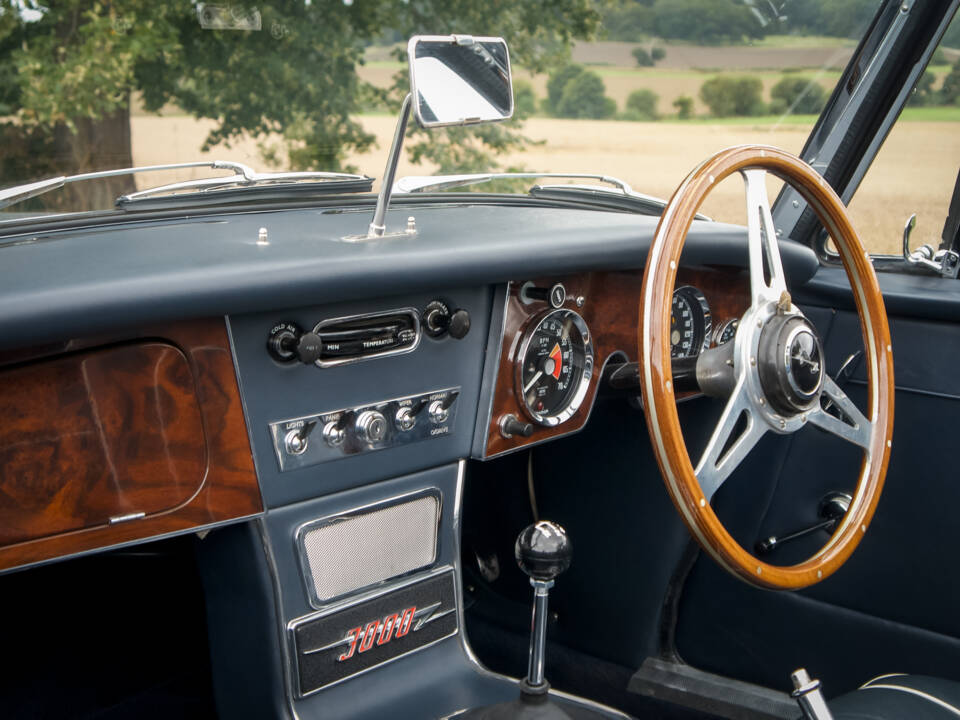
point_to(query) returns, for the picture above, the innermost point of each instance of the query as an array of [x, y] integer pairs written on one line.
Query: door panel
[[892, 607]]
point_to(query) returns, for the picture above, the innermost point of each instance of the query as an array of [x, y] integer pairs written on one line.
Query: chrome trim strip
[[412, 312], [491, 366]]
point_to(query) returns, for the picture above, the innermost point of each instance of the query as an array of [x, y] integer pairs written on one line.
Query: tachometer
[[690, 322], [554, 366]]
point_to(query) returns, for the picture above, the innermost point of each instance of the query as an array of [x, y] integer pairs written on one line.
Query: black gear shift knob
[[543, 550]]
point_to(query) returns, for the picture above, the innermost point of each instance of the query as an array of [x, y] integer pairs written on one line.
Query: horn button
[[790, 363]]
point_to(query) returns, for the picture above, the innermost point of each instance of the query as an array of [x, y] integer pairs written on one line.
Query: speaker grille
[[347, 553]]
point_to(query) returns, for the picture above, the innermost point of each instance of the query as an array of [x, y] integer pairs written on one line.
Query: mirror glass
[[460, 80]]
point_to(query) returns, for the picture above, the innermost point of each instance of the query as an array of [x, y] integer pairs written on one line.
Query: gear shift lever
[[543, 551]]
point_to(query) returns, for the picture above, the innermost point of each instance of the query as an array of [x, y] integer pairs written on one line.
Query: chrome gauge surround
[[573, 397]]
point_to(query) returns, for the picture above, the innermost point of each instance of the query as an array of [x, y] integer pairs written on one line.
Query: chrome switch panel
[[314, 439]]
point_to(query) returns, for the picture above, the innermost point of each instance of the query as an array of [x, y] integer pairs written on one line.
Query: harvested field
[[914, 173]]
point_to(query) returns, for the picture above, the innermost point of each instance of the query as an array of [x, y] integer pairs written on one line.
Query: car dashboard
[[256, 377]]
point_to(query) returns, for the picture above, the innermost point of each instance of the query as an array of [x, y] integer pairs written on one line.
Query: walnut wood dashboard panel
[[611, 309], [122, 442]]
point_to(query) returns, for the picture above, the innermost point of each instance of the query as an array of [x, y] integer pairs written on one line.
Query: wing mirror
[[459, 80], [454, 80]]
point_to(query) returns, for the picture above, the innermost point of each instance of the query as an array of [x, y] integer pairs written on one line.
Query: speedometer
[[554, 367], [690, 322]]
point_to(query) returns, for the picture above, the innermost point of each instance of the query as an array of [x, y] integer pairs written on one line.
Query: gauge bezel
[[580, 393], [722, 328], [706, 315]]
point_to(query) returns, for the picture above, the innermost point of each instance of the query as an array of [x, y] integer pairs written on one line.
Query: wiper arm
[[421, 183], [244, 175], [243, 179]]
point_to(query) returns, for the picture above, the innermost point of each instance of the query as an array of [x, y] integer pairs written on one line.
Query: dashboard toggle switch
[[440, 409], [406, 417], [334, 433], [295, 441]]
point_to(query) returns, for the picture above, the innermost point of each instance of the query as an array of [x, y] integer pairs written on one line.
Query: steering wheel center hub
[[791, 363]]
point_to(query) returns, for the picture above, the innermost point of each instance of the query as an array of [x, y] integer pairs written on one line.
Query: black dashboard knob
[[288, 342], [438, 320], [309, 348], [459, 324], [510, 426], [543, 550], [555, 295]]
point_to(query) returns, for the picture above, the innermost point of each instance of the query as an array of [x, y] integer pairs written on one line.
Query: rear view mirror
[[460, 80]]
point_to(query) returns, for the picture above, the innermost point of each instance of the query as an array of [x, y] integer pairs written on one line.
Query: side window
[[916, 168]]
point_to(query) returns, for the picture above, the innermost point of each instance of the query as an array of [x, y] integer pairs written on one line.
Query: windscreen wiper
[[243, 176], [620, 196]]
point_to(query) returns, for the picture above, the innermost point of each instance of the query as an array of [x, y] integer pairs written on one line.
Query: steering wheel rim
[[751, 396]]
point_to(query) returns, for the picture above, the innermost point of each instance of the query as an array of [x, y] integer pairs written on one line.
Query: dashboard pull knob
[[555, 295], [287, 342], [510, 426], [437, 320]]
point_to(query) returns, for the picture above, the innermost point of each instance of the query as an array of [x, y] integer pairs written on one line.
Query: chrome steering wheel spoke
[[767, 281], [853, 427], [731, 440]]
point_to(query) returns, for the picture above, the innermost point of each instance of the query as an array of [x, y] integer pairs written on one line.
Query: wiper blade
[[421, 183], [245, 175], [620, 195], [631, 201], [355, 183]]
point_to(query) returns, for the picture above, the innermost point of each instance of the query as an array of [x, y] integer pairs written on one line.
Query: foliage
[[642, 105], [684, 106], [729, 96], [950, 90], [584, 96], [657, 54], [705, 22], [524, 99], [297, 78], [642, 57], [557, 82], [627, 20], [798, 95], [923, 93]]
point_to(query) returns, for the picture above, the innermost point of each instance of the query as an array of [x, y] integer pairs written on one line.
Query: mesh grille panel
[[361, 550]]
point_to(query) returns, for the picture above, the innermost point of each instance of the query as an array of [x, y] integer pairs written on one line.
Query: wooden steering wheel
[[773, 373]]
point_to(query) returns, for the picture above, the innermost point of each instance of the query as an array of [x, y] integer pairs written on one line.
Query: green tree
[[584, 96], [728, 96], [524, 99], [642, 57], [557, 82], [642, 105], [684, 106], [799, 95], [657, 54], [70, 68], [950, 90]]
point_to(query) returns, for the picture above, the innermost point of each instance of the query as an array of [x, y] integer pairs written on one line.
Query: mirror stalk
[[378, 226]]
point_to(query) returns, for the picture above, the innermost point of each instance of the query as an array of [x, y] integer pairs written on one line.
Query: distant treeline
[[734, 21]]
